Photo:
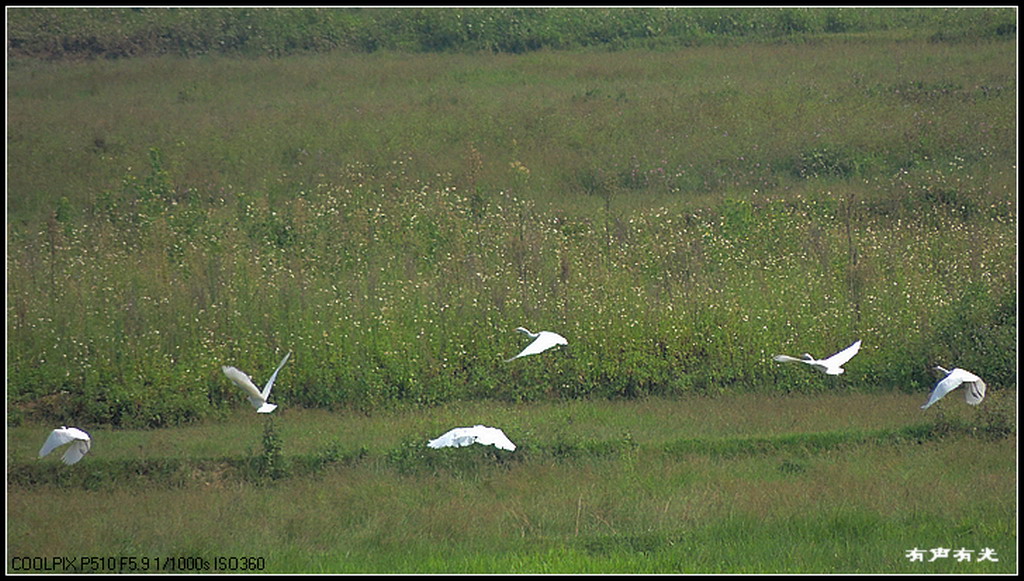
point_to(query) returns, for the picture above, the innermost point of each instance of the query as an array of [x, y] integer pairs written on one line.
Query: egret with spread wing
[[974, 387], [257, 398], [542, 341], [79, 440], [830, 365], [459, 437]]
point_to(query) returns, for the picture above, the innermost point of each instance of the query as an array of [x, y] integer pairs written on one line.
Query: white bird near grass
[[79, 440], [974, 387], [459, 437], [542, 341], [257, 398], [830, 365]]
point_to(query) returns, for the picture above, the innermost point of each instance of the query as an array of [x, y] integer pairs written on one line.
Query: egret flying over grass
[[830, 365], [79, 440], [542, 341], [256, 397], [974, 387], [459, 437]]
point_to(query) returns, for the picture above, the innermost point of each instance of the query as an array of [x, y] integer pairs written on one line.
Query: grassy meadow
[[389, 199], [839, 483], [678, 216]]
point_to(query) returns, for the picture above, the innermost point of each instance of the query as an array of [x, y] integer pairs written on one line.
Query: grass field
[[827, 483], [392, 218], [388, 194]]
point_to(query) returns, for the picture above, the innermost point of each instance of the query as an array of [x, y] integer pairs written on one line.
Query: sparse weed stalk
[[272, 462]]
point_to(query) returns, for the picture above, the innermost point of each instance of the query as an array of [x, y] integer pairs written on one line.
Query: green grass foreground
[[812, 484]]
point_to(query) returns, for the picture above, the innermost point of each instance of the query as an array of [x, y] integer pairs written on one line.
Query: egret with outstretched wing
[[257, 398], [974, 387], [832, 365], [542, 341], [459, 437], [79, 440]]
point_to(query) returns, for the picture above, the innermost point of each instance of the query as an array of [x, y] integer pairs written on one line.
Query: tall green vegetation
[[679, 216]]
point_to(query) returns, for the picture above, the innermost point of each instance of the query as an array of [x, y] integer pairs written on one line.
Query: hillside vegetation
[[392, 215]]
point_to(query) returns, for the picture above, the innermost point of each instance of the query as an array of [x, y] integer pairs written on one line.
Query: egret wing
[[63, 435], [57, 438], [459, 437], [76, 451], [556, 339], [531, 349], [843, 356], [948, 384], [975, 392], [974, 387], [544, 341], [270, 382], [494, 437], [787, 358], [521, 354], [242, 380], [78, 434], [453, 438]]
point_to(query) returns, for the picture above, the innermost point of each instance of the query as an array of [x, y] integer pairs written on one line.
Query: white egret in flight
[[459, 437], [79, 440], [256, 397], [830, 365], [974, 386], [542, 341]]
